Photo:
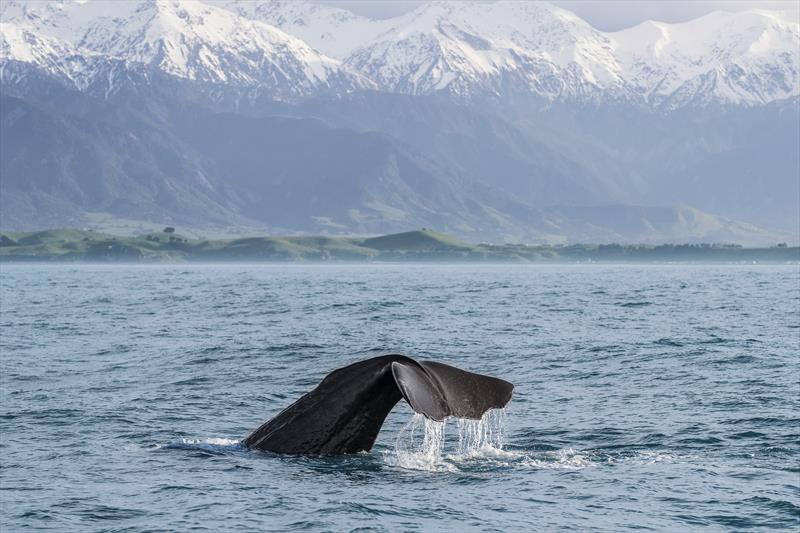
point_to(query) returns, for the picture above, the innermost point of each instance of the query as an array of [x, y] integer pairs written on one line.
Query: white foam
[[566, 459], [213, 441], [419, 445], [660, 456]]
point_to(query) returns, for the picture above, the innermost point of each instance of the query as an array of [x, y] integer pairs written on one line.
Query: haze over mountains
[[503, 121]]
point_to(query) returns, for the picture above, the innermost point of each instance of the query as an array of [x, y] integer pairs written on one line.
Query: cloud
[[380, 9], [612, 15], [606, 15]]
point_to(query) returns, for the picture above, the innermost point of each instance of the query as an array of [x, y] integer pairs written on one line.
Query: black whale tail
[[347, 409]]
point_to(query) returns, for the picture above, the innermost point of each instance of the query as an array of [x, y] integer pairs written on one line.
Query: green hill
[[422, 245], [423, 240]]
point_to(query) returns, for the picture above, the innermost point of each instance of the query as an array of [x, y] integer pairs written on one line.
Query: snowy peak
[[470, 48], [465, 50], [188, 39], [749, 57], [197, 41]]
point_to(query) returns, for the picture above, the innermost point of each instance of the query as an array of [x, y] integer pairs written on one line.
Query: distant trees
[[172, 238]]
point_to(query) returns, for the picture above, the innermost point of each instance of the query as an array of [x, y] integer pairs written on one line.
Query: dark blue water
[[647, 397]]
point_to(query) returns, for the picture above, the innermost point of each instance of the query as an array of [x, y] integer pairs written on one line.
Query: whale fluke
[[347, 409]]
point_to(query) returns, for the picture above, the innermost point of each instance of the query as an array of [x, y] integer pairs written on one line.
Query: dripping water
[[423, 444], [477, 437]]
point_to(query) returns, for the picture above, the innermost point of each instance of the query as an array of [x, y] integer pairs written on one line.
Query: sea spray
[[420, 443]]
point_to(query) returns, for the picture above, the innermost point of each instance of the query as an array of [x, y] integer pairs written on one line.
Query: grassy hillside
[[422, 245], [424, 240]]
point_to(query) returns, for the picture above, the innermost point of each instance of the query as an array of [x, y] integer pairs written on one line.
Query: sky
[[606, 15]]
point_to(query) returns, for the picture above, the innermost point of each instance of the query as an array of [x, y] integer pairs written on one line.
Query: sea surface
[[650, 397]]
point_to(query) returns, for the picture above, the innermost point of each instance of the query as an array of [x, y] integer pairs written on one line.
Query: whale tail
[[347, 409]]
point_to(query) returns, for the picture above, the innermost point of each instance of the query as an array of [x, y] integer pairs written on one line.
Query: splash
[[423, 444], [420, 443]]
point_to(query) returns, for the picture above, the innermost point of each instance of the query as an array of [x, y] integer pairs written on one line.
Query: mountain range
[[499, 121]]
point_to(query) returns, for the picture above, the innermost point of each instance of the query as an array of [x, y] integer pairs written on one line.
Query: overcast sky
[[607, 15]]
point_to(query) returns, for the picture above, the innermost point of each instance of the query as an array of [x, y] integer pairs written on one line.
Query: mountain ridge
[[518, 123], [465, 49], [186, 39]]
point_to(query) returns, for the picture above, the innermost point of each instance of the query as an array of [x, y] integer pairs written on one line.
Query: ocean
[[648, 397]]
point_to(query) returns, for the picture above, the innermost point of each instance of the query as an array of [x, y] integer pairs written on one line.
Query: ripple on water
[[659, 397]]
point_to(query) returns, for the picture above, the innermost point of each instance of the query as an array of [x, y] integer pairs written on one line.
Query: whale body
[[347, 409]]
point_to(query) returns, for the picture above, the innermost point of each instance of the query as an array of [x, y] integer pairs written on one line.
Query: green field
[[422, 245]]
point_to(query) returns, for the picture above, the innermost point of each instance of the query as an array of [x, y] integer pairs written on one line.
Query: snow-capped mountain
[[291, 49], [186, 39], [749, 58], [472, 48], [469, 48]]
